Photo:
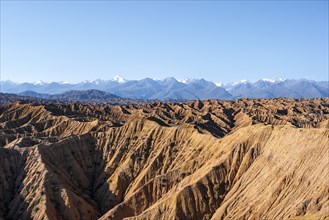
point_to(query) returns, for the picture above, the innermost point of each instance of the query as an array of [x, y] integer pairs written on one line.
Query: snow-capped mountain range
[[171, 88]]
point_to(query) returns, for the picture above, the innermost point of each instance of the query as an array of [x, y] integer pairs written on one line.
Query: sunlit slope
[[249, 159]]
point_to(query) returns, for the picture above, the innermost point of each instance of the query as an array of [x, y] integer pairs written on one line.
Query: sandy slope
[[249, 159]]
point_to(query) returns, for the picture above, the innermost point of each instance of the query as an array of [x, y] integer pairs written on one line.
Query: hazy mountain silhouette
[[170, 88]]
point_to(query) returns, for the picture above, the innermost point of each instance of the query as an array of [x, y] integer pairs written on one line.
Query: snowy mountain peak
[[87, 81], [97, 81], [219, 84], [40, 82], [119, 79], [185, 81], [244, 81], [273, 80]]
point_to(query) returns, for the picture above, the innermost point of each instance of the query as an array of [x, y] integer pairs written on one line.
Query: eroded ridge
[[248, 159]]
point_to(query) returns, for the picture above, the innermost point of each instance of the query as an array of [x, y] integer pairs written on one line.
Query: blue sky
[[220, 41]]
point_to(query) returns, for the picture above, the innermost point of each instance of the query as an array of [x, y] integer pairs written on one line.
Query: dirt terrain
[[243, 159]]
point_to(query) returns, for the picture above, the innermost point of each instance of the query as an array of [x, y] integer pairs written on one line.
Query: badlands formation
[[247, 159]]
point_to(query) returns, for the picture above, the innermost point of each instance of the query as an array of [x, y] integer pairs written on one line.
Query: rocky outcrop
[[248, 159]]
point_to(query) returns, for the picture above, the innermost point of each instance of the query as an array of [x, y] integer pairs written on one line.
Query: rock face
[[248, 159]]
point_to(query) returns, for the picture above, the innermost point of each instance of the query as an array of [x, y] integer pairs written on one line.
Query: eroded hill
[[248, 159]]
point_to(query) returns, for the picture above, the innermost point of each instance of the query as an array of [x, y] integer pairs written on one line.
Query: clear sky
[[221, 41]]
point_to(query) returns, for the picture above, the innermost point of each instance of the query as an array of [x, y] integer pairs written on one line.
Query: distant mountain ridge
[[78, 95], [92, 94], [171, 89]]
